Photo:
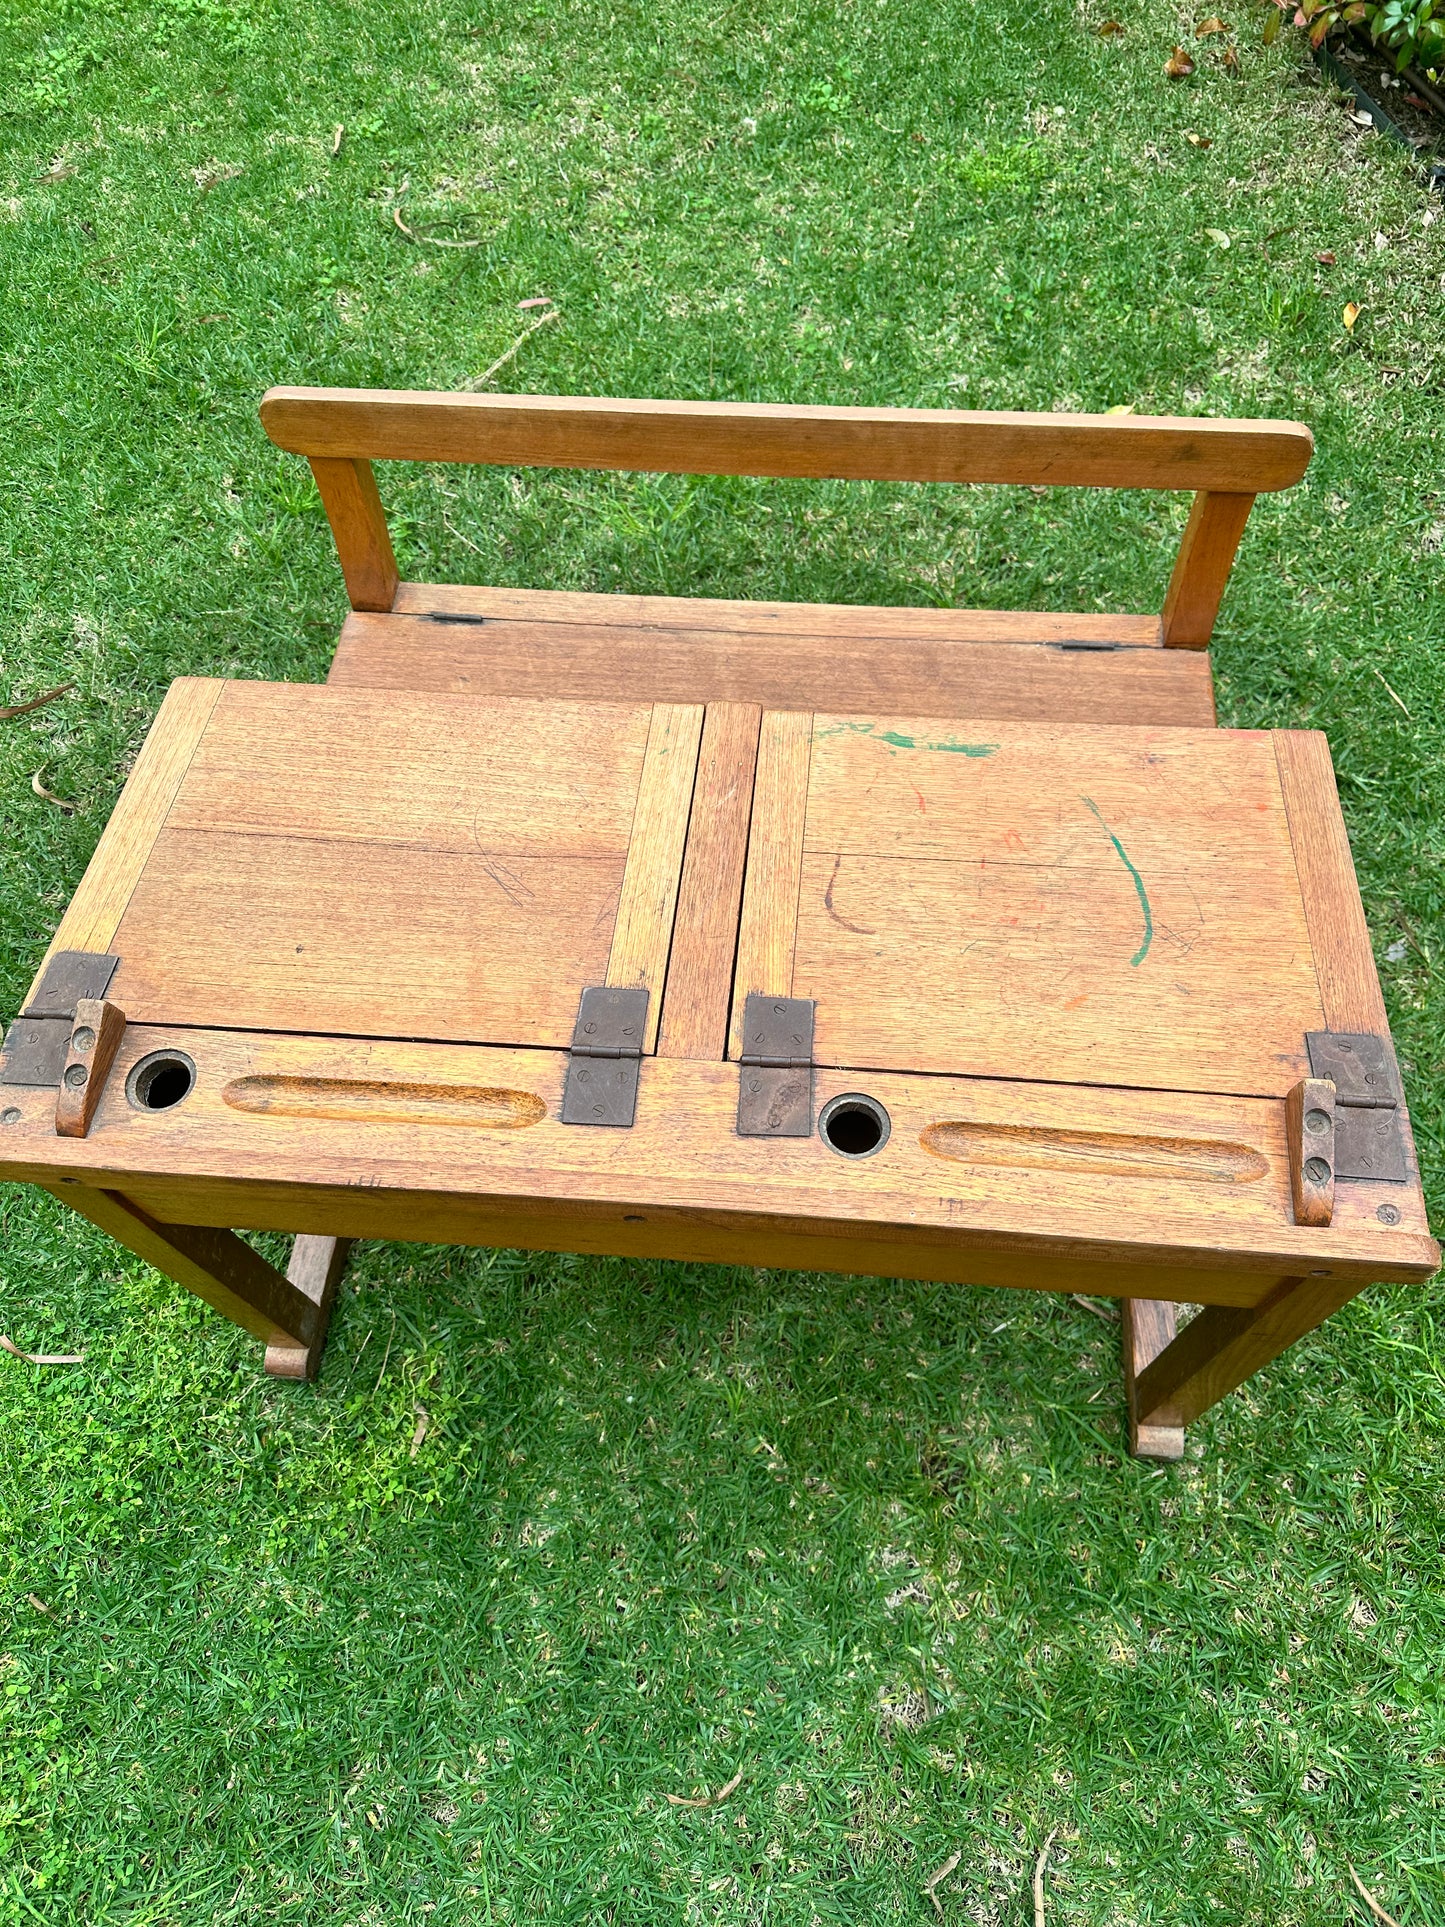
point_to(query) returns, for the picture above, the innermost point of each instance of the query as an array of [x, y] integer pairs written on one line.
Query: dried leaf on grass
[[36, 702], [1179, 65], [1370, 1901], [1199, 140], [1039, 1865], [40, 1358], [336, 140], [1212, 25], [708, 1799], [936, 1879], [1109, 27], [1351, 315], [40, 1605], [1229, 60], [429, 240], [552, 314], [423, 1420], [1218, 236], [1326, 257], [49, 796]]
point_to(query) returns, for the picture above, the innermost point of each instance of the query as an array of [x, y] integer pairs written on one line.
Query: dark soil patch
[[1421, 123]]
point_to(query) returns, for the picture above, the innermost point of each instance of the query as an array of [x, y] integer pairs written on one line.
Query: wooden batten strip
[[1334, 915], [704, 945], [358, 524], [125, 844], [642, 934], [1206, 556], [768, 931], [763, 438]]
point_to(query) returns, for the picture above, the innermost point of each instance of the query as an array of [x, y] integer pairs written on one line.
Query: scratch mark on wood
[[508, 882], [857, 928], [1143, 951]]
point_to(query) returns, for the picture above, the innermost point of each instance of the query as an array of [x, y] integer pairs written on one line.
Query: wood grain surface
[[759, 438], [1228, 1241], [1114, 906], [315, 1269], [1201, 569], [768, 929], [642, 933], [1147, 1328], [208, 1260], [388, 864], [1077, 669], [96, 909], [358, 524], [705, 934], [1339, 935]]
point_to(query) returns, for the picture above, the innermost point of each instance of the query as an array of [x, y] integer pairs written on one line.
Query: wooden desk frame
[[737, 657]]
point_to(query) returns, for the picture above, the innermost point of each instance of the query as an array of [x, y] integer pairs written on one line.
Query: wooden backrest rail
[[1227, 463]]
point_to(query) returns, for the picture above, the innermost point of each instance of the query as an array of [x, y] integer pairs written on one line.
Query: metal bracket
[[39, 1039], [1369, 1141], [606, 1060], [775, 1086]]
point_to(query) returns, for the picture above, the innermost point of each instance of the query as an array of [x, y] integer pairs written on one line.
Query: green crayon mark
[[1142, 952], [897, 740]]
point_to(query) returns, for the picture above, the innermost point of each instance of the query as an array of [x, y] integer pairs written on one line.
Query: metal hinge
[[606, 1059], [775, 1085], [1369, 1141], [39, 1039]]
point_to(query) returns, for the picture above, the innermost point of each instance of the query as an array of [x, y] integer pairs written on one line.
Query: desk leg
[[217, 1265], [315, 1268], [1149, 1326], [1174, 1382]]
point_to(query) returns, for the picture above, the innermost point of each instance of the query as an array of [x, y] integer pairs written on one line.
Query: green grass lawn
[[874, 1546]]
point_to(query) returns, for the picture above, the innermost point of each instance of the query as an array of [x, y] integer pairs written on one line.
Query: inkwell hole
[[160, 1081], [854, 1126]]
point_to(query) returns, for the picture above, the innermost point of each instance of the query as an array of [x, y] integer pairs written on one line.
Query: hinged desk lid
[[371, 863], [1096, 906]]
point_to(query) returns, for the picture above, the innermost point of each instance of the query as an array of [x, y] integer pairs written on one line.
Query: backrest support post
[[358, 522], [1201, 569]]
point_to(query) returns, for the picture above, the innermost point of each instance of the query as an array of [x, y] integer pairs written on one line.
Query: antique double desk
[[1079, 1006]]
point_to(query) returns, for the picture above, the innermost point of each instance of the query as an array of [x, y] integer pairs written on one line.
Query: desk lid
[[1157, 908], [378, 864]]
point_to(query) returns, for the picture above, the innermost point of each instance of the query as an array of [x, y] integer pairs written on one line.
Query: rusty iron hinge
[[606, 1059], [39, 1040], [775, 1085], [1369, 1142]]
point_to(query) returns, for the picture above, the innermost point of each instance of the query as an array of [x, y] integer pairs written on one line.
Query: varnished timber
[[96, 909], [358, 524], [1148, 1327], [1309, 1126], [768, 929], [700, 969], [1189, 1193], [1201, 569], [212, 1262], [1222, 1347], [1339, 935], [1114, 906], [920, 662], [642, 933], [742, 438], [94, 1040], [381, 863], [315, 1269]]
